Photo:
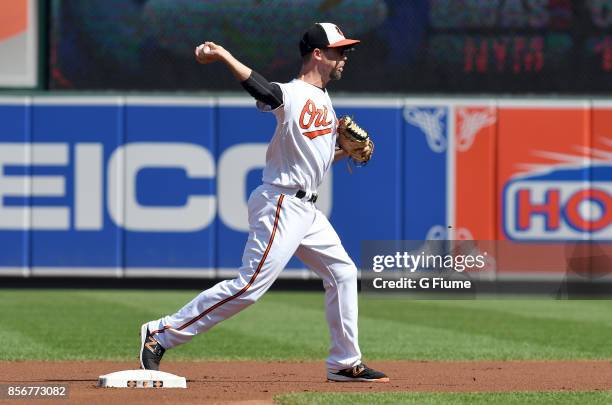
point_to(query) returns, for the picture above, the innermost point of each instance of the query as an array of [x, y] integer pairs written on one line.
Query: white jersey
[[302, 148]]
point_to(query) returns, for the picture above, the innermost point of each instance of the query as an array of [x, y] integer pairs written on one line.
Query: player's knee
[[249, 299], [345, 275], [253, 294]]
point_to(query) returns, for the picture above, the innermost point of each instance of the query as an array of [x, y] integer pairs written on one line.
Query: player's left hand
[[364, 154], [367, 151], [354, 140]]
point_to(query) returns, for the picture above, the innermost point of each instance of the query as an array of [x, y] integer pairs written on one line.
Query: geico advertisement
[[105, 183], [162, 183], [149, 187]]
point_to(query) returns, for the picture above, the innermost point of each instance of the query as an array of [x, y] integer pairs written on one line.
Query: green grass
[[485, 398], [74, 324]]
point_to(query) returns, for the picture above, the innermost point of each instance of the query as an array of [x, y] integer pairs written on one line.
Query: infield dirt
[[252, 382]]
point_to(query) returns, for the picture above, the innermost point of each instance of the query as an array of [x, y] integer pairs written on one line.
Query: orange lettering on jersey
[[319, 132], [311, 115], [308, 112], [321, 120]]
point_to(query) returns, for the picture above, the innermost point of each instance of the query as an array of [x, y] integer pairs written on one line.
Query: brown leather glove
[[354, 140]]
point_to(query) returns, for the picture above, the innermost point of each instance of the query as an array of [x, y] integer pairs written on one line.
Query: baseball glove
[[354, 140]]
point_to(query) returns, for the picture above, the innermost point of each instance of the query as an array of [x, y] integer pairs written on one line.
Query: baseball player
[[283, 219]]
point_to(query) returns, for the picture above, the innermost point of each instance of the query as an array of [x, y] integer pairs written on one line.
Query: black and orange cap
[[324, 35]]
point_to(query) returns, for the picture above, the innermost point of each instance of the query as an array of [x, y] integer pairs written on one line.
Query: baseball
[[203, 52], [205, 49]]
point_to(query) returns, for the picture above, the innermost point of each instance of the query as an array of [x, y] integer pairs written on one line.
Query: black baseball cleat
[[151, 352], [360, 372]]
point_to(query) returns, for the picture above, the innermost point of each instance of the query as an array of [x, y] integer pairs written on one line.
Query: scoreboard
[[520, 45], [416, 46]]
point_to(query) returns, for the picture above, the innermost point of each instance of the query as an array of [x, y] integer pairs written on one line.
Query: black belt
[[302, 194]]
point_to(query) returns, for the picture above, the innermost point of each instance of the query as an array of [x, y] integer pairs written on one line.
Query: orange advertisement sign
[[14, 18], [19, 43]]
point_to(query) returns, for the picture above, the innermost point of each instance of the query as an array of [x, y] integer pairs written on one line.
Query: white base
[[141, 379]]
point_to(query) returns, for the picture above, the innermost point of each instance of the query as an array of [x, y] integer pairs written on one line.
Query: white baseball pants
[[281, 225]]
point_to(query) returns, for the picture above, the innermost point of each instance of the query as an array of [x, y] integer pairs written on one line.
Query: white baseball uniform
[[281, 225]]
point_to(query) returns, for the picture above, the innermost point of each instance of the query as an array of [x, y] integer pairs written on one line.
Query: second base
[[141, 379]]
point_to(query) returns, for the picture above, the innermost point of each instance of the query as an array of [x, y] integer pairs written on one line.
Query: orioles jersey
[[302, 148]]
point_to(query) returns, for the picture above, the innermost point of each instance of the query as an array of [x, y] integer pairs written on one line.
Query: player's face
[[336, 59]]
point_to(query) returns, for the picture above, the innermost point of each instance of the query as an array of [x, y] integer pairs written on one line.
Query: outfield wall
[[157, 186]]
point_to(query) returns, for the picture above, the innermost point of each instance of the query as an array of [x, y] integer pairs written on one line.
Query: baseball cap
[[324, 35]]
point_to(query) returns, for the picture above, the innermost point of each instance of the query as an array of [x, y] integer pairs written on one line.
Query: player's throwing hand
[[208, 52]]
